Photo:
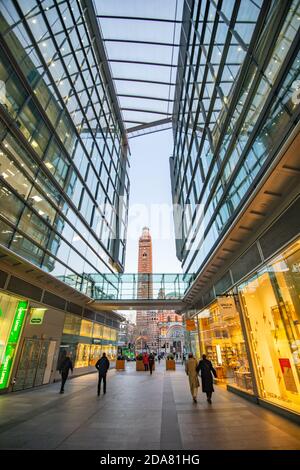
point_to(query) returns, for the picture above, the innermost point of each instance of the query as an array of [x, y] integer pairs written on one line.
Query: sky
[[150, 203]]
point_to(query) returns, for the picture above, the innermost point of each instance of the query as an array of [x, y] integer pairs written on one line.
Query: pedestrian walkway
[[139, 411]]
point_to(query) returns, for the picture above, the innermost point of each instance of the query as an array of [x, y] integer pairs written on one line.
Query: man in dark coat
[[207, 371], [65, 366], [151, 362], [102, 365]]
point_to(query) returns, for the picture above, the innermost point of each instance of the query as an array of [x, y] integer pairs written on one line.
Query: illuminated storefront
[[12, 316], [222, 340], [271, 306], [86, 341]]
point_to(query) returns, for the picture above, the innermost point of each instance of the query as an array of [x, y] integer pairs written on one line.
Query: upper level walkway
[[140, 291], [139, 411]]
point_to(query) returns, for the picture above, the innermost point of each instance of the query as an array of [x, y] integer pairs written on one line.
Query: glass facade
[[222, 340], [270, 301], [63, 176], [86, 341], [234, 106]]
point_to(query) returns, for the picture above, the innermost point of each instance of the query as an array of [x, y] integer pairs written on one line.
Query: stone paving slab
[[139, 411]]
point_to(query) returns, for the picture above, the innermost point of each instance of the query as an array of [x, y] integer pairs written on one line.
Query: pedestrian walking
[[146, 361], [102, 365], [65, 366], [191, 371], [207, 372], [158, 357], [151, 362]]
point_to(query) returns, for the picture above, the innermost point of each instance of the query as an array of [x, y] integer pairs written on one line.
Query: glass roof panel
[[137, 103], [153, 9], [139, 52], [139, 71], [145, 89]]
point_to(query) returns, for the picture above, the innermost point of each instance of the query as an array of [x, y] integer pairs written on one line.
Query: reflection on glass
[[272, 311]]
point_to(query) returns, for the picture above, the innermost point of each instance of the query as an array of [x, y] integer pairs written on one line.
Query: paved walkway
[[139, 411]]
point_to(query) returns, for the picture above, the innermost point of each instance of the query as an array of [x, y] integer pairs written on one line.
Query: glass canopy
[[142, 42]]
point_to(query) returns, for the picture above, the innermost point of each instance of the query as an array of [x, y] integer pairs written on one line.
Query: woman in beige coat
[[190, 369]]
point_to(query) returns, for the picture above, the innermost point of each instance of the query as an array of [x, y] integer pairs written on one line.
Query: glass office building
[[64, 182], [237, 74], [236, 132]]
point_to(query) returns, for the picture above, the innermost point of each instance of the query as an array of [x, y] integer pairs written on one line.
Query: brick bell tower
[[145, 288]]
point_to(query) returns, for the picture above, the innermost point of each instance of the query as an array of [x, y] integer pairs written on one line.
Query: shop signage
[[12, 343], [37, 316], [227, 306], [190, 325], [96, 341]]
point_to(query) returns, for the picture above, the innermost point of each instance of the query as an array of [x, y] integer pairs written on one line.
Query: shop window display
[[86, 328], [222, 340], [82, 355], [95, 354], [72, 324], [97, 340], [97, 331], [271, 306]]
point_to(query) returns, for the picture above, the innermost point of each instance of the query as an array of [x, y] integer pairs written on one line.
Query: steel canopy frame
[[142, 68]]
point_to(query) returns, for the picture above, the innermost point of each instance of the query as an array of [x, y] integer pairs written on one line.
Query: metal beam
[[138, 80], [153, 130], [135, 41], [138, 18], [125, 95], [150, 124], [145, 111], [140, 62]]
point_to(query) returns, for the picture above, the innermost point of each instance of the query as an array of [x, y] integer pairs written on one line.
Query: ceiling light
[[37, 198], [49, 165]]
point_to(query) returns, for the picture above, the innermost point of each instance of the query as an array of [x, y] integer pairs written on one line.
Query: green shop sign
[[13, 339]]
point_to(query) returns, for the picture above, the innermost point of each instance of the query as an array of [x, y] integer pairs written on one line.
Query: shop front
[[39, 347], [222, 340], [271, 305], [85, 341], [12, 317]]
